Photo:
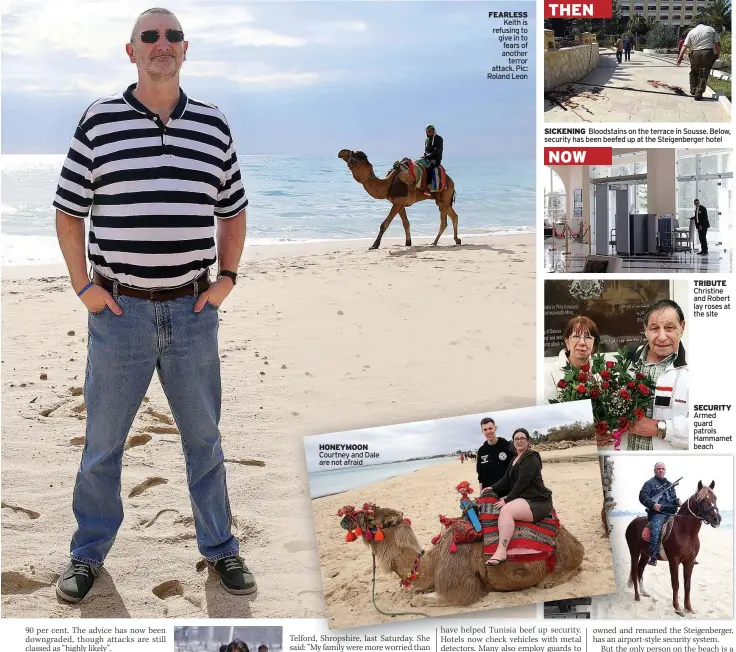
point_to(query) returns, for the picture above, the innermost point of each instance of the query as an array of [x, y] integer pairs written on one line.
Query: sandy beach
[[715, 569], [315, 338], [573, 476]]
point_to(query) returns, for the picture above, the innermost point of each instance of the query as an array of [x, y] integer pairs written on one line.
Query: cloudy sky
[[631, 472], [422, 438], [300, 78]]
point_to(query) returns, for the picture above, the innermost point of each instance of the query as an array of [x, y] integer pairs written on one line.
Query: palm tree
[[717, 14]]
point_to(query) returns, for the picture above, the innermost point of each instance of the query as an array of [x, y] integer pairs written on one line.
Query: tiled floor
[[622, 92], [717, 261]]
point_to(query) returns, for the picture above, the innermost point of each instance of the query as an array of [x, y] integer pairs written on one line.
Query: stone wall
[[569, 64], [609, 503]]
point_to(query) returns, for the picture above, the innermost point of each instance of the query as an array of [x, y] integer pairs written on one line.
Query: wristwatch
[[231, 275], [662, 428]]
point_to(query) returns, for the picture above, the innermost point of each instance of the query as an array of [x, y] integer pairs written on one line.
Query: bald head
[[152, 12]]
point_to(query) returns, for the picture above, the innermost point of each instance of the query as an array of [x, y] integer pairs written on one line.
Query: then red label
[[578, 155], [592, 9]]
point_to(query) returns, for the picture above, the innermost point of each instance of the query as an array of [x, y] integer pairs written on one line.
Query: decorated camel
[[399, 187], [456, 573]]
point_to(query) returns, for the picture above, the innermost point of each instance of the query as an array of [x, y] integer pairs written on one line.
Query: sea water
[[335, 481], [291, 200]]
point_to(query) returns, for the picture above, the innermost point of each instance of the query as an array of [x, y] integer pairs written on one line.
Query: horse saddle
[[646, 534]]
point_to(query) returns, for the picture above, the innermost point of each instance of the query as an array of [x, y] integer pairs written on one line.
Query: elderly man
[[662, 358], [494, 456], [705, 47], [155, 170], [660, 501]]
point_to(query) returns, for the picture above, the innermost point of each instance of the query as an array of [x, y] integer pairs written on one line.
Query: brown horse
[[401, 195], [681, 547]]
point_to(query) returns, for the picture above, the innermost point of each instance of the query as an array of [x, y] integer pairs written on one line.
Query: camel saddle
[[667, 526], [418, 171], [529, 542]]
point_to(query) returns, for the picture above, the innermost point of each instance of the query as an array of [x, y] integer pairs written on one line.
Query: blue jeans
[[655, 532], [123, 352]]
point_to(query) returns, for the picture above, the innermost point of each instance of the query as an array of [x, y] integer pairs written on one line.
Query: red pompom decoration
[[435, 539], [358, 531], [379, 535], [407, 521], [350, 536], [453, 547]]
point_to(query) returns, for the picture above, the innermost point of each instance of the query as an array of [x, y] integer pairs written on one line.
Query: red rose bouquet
[[619, 391]]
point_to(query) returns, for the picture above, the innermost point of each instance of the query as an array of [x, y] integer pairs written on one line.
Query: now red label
[[591, 9], [578, 155]]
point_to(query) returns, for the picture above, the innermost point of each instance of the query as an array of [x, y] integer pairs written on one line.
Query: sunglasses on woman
[[172, 36]]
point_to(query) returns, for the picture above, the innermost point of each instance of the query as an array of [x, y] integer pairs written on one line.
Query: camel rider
[[432, 152], [658, 507]]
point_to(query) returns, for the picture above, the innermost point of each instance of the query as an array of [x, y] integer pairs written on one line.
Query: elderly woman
[[581, 338], [523, 494]]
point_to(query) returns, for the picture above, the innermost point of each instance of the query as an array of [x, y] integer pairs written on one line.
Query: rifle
[[664, 490]]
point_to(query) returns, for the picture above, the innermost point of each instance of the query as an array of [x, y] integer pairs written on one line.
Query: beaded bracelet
[[85, 288]]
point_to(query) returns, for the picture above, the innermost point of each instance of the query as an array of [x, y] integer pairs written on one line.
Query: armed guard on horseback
[[659, 497]]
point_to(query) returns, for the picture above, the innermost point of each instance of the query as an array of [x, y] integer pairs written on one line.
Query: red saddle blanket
[[529, 542], [462, 531], [646, 533]]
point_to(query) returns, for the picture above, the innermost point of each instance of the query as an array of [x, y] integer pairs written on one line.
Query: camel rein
[[390, 613]]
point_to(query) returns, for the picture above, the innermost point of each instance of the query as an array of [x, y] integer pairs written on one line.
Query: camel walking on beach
[[400, 193], [460, 577]]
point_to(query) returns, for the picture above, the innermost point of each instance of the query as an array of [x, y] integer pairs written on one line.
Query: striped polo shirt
[[152, 191]]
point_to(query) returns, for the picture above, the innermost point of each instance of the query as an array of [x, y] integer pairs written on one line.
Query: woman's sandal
[[493, 563]]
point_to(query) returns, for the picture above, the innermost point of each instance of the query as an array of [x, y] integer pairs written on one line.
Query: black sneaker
[[652, 561], [234, 575], [76, 580]]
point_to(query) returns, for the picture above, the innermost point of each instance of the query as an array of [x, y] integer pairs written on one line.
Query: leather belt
[[158, 294]]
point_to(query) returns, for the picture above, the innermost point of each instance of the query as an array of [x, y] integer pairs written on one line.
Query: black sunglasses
[[172, 36]]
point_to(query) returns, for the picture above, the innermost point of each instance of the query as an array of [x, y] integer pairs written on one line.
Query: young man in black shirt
[[494, 456]]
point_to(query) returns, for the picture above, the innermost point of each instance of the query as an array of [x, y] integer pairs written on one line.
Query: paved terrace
[[623, 92]]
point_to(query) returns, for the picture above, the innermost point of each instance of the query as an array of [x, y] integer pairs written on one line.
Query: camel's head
[[706, 504], [370, 519], [385, 530], [358, 164]]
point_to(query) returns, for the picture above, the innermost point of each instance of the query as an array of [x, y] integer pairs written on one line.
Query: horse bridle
[[701, 515]]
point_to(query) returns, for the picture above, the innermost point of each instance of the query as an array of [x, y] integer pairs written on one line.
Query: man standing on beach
[[154, 170], [494, 456], [704, 44]]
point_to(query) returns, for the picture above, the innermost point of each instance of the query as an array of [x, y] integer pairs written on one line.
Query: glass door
[[716, 196]]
